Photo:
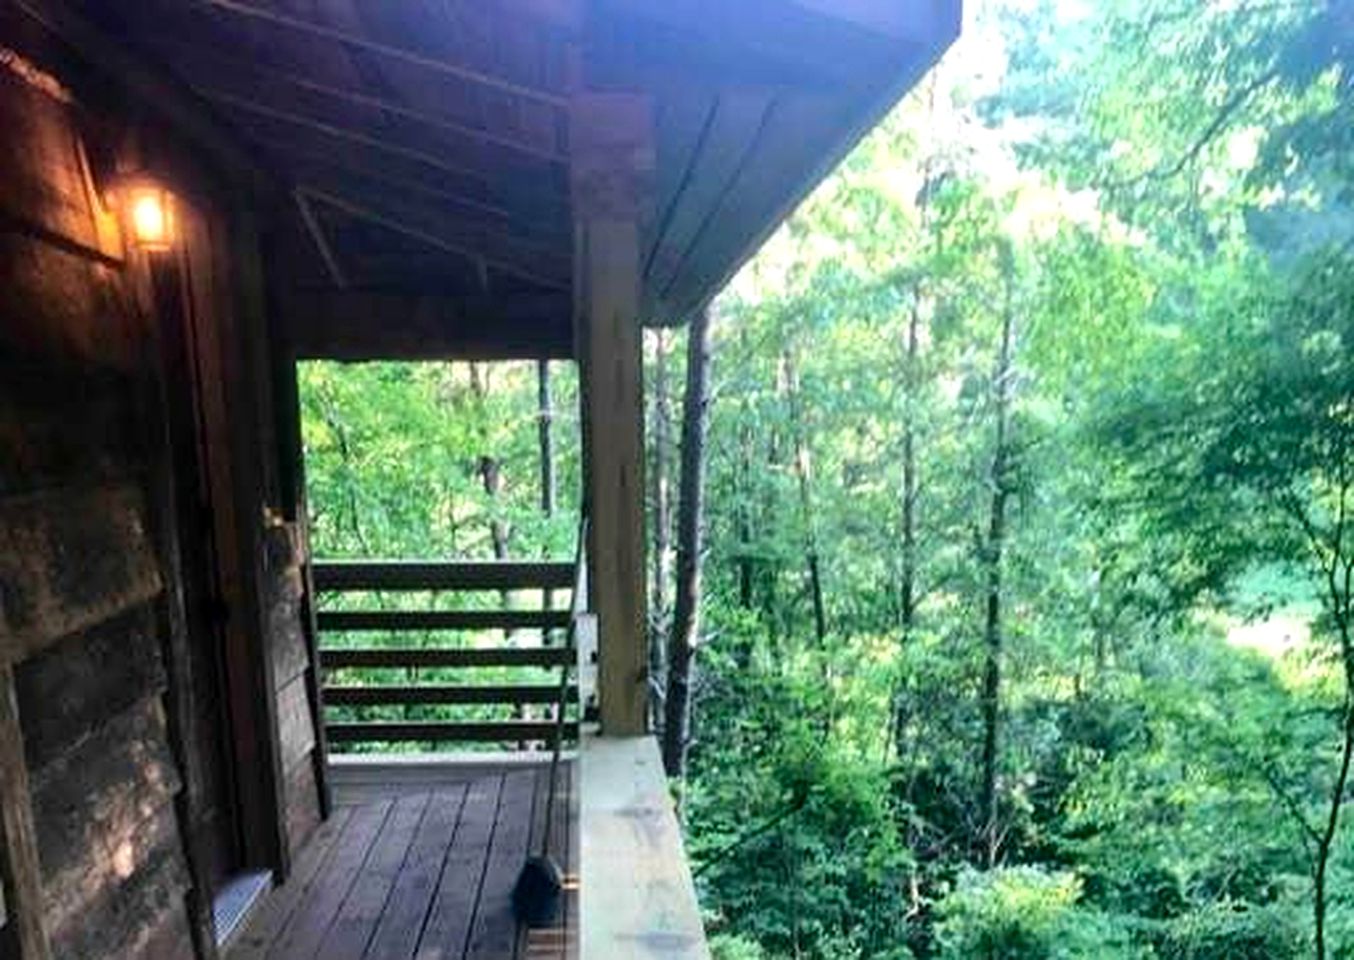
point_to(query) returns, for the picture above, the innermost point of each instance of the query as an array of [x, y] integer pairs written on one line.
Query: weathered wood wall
[[89, 564]]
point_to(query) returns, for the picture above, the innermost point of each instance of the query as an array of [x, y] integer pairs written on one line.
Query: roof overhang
[[426, 146]]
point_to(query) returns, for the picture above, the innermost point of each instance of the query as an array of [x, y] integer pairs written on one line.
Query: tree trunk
[[907, 587], [690, 521], [803, 467], [1003, 394], [660, 476], [545, 414]]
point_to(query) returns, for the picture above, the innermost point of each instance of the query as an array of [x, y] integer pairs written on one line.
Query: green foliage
[[1024, 913], [1160, 192]]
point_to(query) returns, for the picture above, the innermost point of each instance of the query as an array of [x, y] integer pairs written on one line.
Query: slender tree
[[660, 476], [993, 554], [803, 468], [690, 522]]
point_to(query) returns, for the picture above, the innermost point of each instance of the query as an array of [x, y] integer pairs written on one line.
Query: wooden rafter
[[493, 236], [320, 239], [192, 56], [437, 161], [300, 163], [355, 41], [477, 257]]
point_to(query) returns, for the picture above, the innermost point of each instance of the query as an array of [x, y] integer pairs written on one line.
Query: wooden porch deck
[[419, 861]]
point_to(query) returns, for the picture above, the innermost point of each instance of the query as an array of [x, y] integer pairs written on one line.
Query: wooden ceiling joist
[[437, 239], [511, 234], [300, 162], [190, 57], [438, 161], [401, 54]]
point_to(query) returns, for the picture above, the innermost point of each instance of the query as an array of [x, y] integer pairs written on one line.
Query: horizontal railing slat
[[464, 657], [393, 732], [353, 620], [477, 693], [340, 575]]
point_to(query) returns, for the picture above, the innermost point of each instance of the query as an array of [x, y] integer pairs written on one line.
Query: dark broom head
[[536, 897]]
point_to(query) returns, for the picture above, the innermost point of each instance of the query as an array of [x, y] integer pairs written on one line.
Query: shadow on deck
[[418, 861]]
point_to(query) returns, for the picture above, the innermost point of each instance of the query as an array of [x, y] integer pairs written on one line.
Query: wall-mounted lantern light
[[147, 209]]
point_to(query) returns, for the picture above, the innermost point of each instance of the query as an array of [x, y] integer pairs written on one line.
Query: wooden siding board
[[74, 558], [295, 729], [69, 690], [92, 801]]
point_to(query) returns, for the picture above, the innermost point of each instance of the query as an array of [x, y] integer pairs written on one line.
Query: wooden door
[[182, 316]]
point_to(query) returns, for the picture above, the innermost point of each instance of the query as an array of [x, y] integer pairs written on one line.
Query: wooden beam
[[435, 237], [906, 22], [613, 161], [363, 325], [494, 245], [407, 620], [20, 868], [317, 236], [401, 54], [302, 162], [437, 161], [344, 575], [463, 694], [192, 59], [504, 731], [464, 657]]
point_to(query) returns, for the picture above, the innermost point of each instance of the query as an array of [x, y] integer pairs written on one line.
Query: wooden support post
[[611, 136], [19, 866]]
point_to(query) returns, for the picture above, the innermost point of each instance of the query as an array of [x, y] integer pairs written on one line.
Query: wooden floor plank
[[397, 934], [302, 937], [533, 844], [268, 919], [494, 934], [356, 921], [449, 921]]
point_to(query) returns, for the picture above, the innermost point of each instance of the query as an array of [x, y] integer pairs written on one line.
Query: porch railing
[[419, 692]]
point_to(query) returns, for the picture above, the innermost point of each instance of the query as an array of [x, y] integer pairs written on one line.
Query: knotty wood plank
[[449, 922], [508, 731], [637, 897], [73, 559], [272, 916], [494, 933], [465, 657], [295, 730], [361, 911], [460, 575], [484, 693], [397, 934], [20, 870], [444, 620], [309, 924]]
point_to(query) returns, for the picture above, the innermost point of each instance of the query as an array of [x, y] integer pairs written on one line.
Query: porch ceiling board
[[432, 140]]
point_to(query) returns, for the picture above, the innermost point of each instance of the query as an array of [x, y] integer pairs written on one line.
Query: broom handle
[[562, 702], [560, 706]]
